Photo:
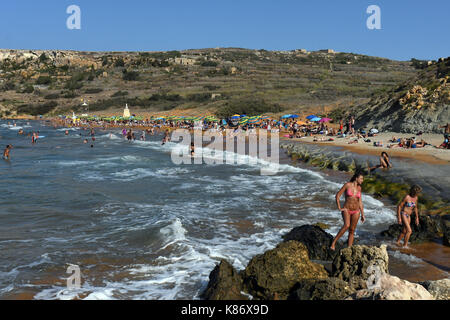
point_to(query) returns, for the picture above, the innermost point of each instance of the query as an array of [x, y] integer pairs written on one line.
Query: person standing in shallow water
[[353, 208], [404, 212]]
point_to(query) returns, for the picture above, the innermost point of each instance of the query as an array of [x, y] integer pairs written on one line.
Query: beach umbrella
[[301, 122], [316, 119], [236, 116], [266, 118], [286, 116], [311, 117], [325, 120], [294, 116]]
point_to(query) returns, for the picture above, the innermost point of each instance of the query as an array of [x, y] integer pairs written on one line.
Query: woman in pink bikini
[[352, 208], [404, 212]]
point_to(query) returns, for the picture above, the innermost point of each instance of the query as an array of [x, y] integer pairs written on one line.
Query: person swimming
[[6, 152], [404, 213], [353, 206]]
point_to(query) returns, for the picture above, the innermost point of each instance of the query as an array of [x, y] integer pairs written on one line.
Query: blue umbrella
[[286, 116], [294, 116], [315, 119], [311, 117]]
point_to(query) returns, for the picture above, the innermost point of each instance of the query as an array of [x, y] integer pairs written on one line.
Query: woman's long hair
[[415, 190], [357, 174]]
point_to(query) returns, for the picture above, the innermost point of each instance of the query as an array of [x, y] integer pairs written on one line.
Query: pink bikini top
[[349, 193]]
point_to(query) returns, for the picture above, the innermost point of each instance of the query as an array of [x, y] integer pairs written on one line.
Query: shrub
[[209, 64], [93, 90], [43, 80], [28, 89], [35, 110], [130, 75], [51, 96], [70, 95], [119, 63], [120, 94], [199, 97], [9, 86]]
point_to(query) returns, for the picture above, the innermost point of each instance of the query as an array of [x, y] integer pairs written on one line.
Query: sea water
[[139, 226]]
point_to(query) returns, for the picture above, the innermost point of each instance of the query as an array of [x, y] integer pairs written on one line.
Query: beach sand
[[427, 154]]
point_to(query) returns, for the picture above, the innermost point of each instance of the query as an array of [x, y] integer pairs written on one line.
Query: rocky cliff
[[419, 104]]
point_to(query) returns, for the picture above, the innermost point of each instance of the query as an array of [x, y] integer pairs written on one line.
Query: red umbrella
[[325, 120]]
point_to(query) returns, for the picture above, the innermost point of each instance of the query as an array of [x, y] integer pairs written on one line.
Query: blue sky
[[409, 28]]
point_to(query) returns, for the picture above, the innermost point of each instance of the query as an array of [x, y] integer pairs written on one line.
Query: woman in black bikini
[[352, 208], [404, 212]]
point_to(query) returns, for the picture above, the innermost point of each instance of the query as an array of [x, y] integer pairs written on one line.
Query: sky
[[409, 28]]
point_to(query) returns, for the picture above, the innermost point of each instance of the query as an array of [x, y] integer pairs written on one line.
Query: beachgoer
[[384, 162], [352, 209], [34, 138], [6, 155], [67, 132], [404, 212], [446, 131], [192, 149]]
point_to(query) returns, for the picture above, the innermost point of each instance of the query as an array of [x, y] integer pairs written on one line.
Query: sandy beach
[[428, 154]]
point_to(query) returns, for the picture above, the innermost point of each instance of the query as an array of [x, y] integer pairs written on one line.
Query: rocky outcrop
[[225, 283], [274, 273], [392, 288], [326, 289], [357, 263], [439, 289], [286, 272], [429, 228], [419, 104], [316, 241]]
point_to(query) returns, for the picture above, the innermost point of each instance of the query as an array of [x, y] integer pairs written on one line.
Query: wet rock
[[316, 241], [224, 284], [326, 289], [274, 273], [428, 229], [392, 288], [357, 263], [439, 289]]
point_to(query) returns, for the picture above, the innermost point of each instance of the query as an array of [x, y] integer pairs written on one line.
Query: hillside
[[221, 81], [419, 104]]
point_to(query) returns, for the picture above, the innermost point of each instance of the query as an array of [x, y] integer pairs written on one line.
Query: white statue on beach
[[126, 111]]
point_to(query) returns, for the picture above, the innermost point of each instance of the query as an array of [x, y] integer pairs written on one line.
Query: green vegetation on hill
[[227, 80]]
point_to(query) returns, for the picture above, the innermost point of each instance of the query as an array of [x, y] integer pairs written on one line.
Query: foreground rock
[[393, 288], [439, 289], [429, 228], [274, 273], [326, 289], [316, 241], [357, 263], [224, 283]]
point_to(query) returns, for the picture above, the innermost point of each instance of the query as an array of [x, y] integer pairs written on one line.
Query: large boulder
[[439, 289], [392, 288], [358, 263], [224, 283], [316, 240], [326, 289], [274, 273], [428, 229]]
